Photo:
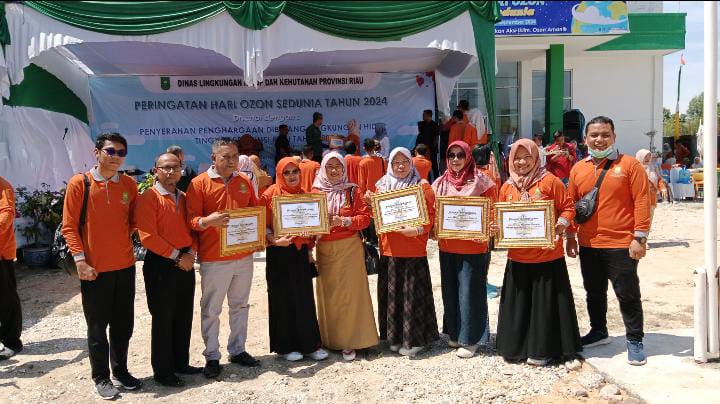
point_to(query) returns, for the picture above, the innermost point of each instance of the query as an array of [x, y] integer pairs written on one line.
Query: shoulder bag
[[585, 207]]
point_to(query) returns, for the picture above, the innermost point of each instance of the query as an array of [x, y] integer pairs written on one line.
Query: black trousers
[[10, 310], [170, 296], [598, 265], [109, 301]]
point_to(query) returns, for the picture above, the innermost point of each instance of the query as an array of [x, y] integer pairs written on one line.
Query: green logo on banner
[[165, 83]]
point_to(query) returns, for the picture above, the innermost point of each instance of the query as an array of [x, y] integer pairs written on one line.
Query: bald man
[[168, 270]]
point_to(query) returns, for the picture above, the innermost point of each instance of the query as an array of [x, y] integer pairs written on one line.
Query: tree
[[695, 107]]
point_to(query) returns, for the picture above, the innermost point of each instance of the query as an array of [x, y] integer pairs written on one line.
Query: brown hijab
[[536, 173]]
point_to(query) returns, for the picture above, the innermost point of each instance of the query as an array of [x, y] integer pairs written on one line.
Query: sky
[[691, 83]]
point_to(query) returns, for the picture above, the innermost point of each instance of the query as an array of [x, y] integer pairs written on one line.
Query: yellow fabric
[[345, 312]]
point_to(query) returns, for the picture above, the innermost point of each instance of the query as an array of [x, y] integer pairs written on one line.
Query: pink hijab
[[467, 182], [335, 193], [536, 173]]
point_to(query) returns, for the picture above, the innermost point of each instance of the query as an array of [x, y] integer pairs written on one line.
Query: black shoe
[[212, 369], [170, 381], [106, 390], [190, 370], [245, 359], [126, 381], [595, 338]]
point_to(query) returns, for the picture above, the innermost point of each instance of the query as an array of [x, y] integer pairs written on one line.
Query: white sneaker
[[410, 352], [453, 344], [466, 351], [538, 361], [293, 356], [319, 355], [395, 348], [6, 353], [348, 355]]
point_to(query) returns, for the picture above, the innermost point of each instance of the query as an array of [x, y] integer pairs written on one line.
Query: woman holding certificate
[[406, 310], [536, 319], [293, 324], [463, 263], [345, 312]]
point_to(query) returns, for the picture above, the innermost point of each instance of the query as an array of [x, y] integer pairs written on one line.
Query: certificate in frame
[[404, 207], [245, 231], [300, 213], [525, 225], [462, 217]]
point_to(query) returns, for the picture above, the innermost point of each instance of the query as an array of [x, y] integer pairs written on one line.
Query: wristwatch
[[641, 240]]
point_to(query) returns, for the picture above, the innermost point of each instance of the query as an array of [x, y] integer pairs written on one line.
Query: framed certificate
[[244, 232], [336, 142], [525, 225], [462, 217], [394, 209], [300, 213]]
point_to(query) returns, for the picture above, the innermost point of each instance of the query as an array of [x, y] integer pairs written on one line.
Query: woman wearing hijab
[[406, 312], [536, 319], [247, 167], [463, 263], [354, 135], [655, 181], [345, 311], [293, 324]]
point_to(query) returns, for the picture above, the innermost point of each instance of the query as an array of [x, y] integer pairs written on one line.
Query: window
[[538, 98]]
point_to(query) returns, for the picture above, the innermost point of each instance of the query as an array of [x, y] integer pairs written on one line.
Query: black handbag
[[585, 207], [372, 255], [60, 250]]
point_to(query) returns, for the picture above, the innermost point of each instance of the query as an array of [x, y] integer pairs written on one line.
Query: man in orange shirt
[[168, 271], [308, 169], [10, 310], [105, 261], [462, 130], [613, 239], [352, 162], [371, 168], [422, 164], [209, 197]]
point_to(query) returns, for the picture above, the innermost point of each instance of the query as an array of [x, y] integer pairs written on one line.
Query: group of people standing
[[537, 321]]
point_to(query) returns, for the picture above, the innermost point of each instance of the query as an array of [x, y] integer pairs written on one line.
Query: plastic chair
[[698, 183]]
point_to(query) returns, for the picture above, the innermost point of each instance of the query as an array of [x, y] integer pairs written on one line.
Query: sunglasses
[[453, 156], [291, 172], [111, 151]]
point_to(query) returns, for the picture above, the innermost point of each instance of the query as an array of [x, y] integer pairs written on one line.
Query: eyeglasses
[[334, 168], [170, 169], [453, 156], [112, 152], [291, 172], [400, 163]]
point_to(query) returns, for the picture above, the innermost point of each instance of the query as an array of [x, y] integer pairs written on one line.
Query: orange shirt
[[7, 221], [352, 164], [358, 212], [622, 207], [490, 174], [266, 199], [549, 188], [423, 166], [370, 170], [308, 171], [162, 222], [396, 245], [209, 193], [355, 139], [109, 221], [465, 132]]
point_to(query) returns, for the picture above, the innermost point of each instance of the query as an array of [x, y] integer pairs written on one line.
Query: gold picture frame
[[404, 197], [239, 222], [315, 224], [463, 217], [524, 224]]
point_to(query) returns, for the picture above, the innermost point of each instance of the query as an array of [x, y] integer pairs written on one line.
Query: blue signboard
[[530, 18]]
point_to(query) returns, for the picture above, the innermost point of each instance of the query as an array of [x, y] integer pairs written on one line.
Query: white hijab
[[390, 181]]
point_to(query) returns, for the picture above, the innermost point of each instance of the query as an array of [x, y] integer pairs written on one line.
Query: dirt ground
[[54, 366]]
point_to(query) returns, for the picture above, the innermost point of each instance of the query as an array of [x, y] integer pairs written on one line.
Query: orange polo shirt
[[308, 171], [370, 170], [162, 222], [549, 188], [209, 193], [352, 164], [622, 207], [423, 166], [465, 132], [7, 221], [358, 212], [396, 245], [109, 221]]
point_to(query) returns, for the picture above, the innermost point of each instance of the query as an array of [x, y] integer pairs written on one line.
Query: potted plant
[[43, 207]]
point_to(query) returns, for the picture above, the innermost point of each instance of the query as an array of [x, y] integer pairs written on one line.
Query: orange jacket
[[423, 166], [396, 245], [622, 208], [465, 132], [7, 221], [352, 163], [458, 246], [109, 222], [370, 170], [549, 188], [162, 222], [208, 193], [308, 171], [358, 212]]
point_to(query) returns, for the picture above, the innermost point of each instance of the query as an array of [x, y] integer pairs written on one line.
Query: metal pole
[[710, 176], [700, 316]]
